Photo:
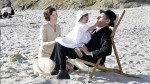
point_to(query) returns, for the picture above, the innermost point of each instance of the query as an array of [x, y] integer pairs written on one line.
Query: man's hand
[[85, 50]]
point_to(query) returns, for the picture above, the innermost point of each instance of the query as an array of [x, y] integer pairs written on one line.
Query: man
[[99, 46]]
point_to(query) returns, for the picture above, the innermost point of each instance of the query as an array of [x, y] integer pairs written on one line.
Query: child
[[80, 34]]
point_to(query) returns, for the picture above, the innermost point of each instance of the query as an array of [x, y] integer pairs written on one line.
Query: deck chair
[[81, 64]]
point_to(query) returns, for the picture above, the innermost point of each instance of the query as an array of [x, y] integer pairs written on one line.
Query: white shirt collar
[[98, 28]]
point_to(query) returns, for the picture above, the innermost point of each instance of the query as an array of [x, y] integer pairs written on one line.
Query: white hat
[[80, 13]]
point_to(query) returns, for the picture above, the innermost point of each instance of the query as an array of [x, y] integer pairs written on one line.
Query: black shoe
[[63, 74], [54, 72]]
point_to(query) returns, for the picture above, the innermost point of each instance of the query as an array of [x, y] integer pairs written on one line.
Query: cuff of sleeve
[[91, 54]]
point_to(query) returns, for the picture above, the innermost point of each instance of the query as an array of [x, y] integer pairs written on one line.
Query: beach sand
[[21, 33]]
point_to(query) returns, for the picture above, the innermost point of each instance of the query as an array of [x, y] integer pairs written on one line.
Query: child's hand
[[98, 18], [85, 50]]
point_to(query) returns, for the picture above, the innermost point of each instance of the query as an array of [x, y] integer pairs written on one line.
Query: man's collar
[[98, 28]]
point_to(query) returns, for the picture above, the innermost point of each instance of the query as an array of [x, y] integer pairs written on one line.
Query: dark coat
[[100, 44], [8, 4]]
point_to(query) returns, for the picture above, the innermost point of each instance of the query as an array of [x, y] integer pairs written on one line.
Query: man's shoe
[[54, 72], [63, 74]]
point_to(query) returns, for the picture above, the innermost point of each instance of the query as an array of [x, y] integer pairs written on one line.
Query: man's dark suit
[[100, 45]]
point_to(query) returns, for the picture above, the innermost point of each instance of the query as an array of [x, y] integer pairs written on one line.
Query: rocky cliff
[[74, 4]]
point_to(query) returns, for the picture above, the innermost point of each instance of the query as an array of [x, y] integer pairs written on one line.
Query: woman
[[48, 33]]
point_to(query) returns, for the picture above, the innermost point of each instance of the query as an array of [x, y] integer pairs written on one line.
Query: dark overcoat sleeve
[[106, 46]]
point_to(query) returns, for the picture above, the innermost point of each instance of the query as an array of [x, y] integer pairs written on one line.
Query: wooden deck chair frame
[[103, 68]]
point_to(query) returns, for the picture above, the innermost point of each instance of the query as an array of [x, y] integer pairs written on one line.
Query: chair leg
[[116, 54], [95, 67]]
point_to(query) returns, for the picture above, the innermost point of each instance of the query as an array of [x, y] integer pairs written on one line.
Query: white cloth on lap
[[46, 64]]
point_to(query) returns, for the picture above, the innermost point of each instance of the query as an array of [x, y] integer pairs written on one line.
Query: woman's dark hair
[[83, 16], [48, 12]]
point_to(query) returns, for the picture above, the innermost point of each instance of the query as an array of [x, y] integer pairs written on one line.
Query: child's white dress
[[77, 37]]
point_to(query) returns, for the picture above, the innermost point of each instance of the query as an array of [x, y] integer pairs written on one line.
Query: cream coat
[[43, 65]]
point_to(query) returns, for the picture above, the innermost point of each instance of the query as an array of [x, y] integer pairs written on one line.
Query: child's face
[[85, 19]]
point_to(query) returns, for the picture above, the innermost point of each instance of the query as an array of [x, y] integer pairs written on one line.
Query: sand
[[21, 33]]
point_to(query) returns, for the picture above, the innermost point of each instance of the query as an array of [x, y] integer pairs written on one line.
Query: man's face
[[103, 20]]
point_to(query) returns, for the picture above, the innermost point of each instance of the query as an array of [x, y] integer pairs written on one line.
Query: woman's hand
[[47, 44], [57, 38]]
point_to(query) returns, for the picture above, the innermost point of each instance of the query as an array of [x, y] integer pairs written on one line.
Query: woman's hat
[[80, 13], [111, 15]]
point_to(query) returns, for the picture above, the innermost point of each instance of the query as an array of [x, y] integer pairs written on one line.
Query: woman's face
[[53, 17]]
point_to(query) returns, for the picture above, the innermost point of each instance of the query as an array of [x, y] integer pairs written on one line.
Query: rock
[[74, 4]]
